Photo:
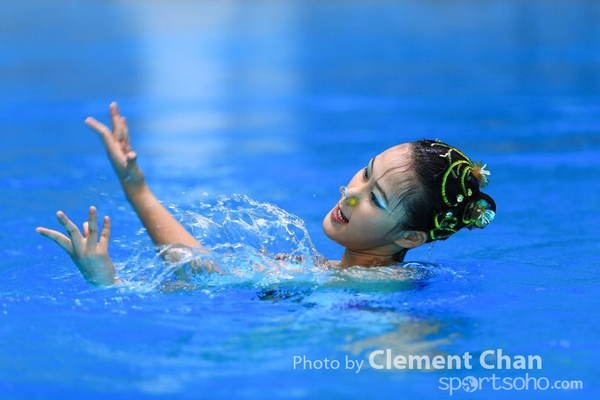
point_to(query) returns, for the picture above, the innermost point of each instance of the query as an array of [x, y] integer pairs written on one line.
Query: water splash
[[430, 251], [244, 242], [257, 245]]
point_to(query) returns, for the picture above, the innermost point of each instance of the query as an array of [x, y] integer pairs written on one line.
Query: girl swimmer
[[410, 194]]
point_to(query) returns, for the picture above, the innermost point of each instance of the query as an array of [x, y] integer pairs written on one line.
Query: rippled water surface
[[247, 117]]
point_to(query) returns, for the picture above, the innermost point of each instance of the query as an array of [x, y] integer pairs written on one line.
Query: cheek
[[377, 226], [366, 224]]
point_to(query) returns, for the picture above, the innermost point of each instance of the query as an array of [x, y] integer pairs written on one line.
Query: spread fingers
[[92, 226], [100, 128], [105, 235], [57, 237], [72, 230]]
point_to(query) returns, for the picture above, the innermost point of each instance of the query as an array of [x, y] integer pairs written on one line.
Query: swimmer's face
[[367, 223]]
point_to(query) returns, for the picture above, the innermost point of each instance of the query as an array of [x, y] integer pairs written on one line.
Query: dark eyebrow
[[387, 203]]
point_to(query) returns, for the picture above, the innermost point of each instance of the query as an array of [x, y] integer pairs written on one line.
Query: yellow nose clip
[[352, 201]]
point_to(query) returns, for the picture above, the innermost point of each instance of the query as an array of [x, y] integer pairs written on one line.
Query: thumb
[[131, 167], [131, 157]]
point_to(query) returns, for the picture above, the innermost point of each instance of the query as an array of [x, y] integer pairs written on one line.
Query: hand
[[89, 254], [122, 158]]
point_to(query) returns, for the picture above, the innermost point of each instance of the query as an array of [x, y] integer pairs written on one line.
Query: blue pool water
[[268, 106]]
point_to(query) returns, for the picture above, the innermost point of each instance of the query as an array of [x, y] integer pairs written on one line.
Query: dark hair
[[446, 195]]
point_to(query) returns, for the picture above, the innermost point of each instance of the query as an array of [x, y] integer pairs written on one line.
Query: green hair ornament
[[461, 207]]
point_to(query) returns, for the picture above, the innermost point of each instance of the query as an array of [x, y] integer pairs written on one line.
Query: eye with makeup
[[372, 195], [375, 200]]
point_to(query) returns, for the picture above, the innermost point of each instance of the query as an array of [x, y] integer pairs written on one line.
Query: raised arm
[[158, 221]]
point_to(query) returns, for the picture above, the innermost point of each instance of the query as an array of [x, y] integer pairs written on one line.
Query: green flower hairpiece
[[483, 214]]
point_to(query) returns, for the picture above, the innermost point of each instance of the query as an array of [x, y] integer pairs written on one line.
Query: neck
[[361, 259]]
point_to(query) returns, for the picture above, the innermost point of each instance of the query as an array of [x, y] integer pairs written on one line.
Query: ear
[[411, 239]]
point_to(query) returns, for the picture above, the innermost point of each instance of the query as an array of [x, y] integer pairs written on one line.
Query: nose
[[351, 200]]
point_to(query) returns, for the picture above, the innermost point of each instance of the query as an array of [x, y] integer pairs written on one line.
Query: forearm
[[157, 220], [162, 227]]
